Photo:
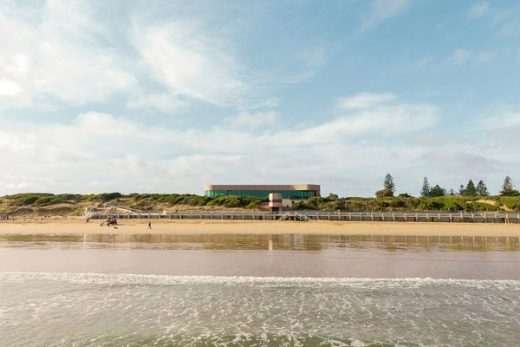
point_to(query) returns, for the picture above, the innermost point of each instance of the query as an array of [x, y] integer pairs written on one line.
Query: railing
[[411, 216]]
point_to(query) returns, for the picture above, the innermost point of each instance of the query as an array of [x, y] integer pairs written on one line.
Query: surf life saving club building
[[279, 195]]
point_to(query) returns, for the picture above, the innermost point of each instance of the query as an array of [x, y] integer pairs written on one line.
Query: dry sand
[[75, 226]]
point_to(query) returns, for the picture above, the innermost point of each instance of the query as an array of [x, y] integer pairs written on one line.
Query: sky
[[167, 96]]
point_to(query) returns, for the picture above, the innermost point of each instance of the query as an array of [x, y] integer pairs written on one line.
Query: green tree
[[332, 196], [470, 190], [482, 188], [389, 185], [437, 191], [384, 193], [462, 190], [425, 188], [508, 188]]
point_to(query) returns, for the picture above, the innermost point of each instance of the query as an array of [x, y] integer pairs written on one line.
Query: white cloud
[[501, 124], [9, 88], [365, 100], [484, 57], [18, 64], [191, 61], [351, 153], [381, 10], [364, 115], [253, 119], [462, 55], [460, 164], [422, 63], [504, 19], [56, 53], [165, 103], [478, 10], [456, 57], [100, 152]]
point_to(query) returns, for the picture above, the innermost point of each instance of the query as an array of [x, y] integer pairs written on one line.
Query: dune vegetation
[[75, 204]]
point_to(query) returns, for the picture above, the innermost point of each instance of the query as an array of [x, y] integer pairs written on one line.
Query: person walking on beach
[[149, 225]]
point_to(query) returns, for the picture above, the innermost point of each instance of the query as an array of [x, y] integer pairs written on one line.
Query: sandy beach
[[74, 226]]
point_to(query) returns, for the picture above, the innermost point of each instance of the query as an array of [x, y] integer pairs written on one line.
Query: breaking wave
[[92, 309]]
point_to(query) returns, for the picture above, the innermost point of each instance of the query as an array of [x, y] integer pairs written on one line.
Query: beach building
[[287, 192], [275, 202]]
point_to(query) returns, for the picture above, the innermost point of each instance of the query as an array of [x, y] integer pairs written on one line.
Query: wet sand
[[348, 262], [75, 226]]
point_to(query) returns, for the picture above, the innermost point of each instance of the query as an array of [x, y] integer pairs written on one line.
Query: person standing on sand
[[149, 225]]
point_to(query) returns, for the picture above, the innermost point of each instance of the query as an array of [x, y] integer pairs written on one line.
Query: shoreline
[[74, 227]]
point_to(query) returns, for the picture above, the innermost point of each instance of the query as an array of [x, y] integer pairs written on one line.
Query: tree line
[[470, 189]]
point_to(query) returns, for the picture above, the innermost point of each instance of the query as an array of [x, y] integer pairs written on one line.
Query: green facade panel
[[262, 194]]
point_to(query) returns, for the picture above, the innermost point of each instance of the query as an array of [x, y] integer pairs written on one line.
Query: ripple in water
[[104, 310]]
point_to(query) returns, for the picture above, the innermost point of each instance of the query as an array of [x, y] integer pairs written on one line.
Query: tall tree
[[437, 191], [425, 187], [482, 188], [508, 187], [389, 185], [470, 189], [462, 190]]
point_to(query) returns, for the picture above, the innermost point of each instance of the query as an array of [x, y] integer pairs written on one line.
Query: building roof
[[312, 187]]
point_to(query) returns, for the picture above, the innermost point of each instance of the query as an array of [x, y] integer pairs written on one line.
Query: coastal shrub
[[59, 199], [43, 200], [184, 199], [175, 199], [384, 193], [109, 196], [511, 202], [358, 204], [51, 199], [164, 198], [25, 198], [313, 203], [197, 200], [336, 205], [454, 205], [226, 201], [235, 201], [397, 203], [91, 197], [149, 201], [30, 200], [481, 207], [331, 197], [253, 204], [429, 204]]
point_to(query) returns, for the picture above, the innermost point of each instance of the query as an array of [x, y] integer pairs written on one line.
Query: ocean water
[[259, 290], [78, 309]]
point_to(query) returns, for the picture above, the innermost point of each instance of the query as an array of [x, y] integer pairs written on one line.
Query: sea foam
[[101, 278]]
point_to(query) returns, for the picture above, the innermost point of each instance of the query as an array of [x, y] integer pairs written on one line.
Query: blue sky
[[166, 96]]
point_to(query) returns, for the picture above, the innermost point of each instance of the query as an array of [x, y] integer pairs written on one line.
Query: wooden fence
[[430, 216]]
